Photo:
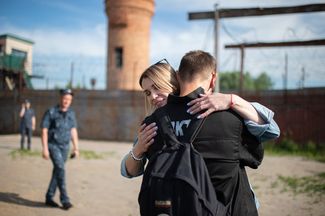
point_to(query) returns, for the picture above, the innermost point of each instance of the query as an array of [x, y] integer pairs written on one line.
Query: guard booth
[[15, 62]]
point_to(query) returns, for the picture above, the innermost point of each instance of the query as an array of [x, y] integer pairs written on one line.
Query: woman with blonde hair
[[163, 77]]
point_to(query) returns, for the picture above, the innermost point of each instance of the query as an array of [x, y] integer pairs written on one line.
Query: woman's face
[[157, 97]]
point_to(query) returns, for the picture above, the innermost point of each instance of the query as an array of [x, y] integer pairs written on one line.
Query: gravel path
[[96, 187]]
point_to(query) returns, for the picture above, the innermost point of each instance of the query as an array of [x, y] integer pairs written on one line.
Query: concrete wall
[[100, 115], [116, 115]]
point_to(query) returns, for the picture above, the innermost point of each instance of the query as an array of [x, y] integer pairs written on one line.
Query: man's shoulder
[[155, 115], [229, 113], [149, 119], [71, 111], [51, 111]]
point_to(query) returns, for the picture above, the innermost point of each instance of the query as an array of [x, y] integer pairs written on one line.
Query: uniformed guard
[[59, 126], [27, 123]]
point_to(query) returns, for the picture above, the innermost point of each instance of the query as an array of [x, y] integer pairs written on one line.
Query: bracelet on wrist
[[231, 101], [134, 157]]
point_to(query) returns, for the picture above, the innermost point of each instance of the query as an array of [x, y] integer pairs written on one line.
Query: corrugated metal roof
[[12, 36]]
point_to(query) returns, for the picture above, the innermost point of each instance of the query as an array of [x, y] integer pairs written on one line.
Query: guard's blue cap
[[65, 92]]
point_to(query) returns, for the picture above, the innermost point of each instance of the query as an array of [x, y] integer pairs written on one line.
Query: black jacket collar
[[185, 99]]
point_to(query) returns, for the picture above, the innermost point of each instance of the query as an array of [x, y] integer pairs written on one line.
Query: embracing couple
[[231, 122]]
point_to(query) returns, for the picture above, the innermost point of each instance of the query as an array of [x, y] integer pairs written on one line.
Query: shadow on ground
[[16, 199]]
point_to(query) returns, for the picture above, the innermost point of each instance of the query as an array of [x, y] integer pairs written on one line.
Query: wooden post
[[241, 81], [71, 75], [285, 78], [216, 45], [244, 12]]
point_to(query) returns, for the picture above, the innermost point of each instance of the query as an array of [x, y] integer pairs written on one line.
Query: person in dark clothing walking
[[220, 139], [59, 126], [27, 124]]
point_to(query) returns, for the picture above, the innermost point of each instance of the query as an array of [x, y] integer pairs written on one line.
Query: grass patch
[[287, 146], [88, 155], [24, 153], [110, 153], [311, 185]]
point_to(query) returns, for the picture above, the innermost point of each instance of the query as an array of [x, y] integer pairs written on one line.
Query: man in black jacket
[[220, 139]]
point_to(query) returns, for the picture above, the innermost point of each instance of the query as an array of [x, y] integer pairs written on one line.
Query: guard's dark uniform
[[59, 126], [218, 142], [26, 127]]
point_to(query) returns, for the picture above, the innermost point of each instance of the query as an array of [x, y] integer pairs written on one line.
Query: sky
[[74, 32]]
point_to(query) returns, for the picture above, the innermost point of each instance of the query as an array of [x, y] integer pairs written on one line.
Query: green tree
[[230, 81], [263, 82], [68, 85], [249, 82]]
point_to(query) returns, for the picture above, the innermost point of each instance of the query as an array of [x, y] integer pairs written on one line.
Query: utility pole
[[47, 83], [71, 75], [83, 81], [241, 81], [219, 14], [216, 44], [243, 46], [285, 75], [302, 78]]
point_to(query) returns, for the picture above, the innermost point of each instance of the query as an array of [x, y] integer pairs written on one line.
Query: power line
[[228, 33], [227, 59], [207, 36]]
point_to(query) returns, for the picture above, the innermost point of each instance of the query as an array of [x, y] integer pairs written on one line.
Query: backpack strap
[[197, 130]]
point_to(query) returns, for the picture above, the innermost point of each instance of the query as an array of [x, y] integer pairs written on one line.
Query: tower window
[[119, 57], [19, 53]]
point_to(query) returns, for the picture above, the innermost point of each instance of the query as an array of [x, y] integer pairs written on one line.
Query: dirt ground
[[96, 187]]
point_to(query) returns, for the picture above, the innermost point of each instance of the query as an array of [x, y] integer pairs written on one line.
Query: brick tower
[[128, 41]]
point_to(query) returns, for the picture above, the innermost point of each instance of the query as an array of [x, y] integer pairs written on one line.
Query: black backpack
[[176, 180]]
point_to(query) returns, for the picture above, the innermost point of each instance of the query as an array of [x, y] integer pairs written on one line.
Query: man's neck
[[187, 88], [63, 109]]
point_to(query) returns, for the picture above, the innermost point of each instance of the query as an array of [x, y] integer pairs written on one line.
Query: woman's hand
[[145, 139], [210, 103]]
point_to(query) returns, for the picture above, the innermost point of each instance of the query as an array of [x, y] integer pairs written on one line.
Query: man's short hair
[[196, 64]]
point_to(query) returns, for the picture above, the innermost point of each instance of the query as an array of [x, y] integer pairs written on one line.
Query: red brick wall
[[116, 115], [300, 114]]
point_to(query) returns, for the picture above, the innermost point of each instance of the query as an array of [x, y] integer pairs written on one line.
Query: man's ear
[[213, 81], [179, 80], [177, 77]]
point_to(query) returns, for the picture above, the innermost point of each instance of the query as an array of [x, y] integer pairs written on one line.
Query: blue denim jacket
[[268, 131], [264, 132]]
